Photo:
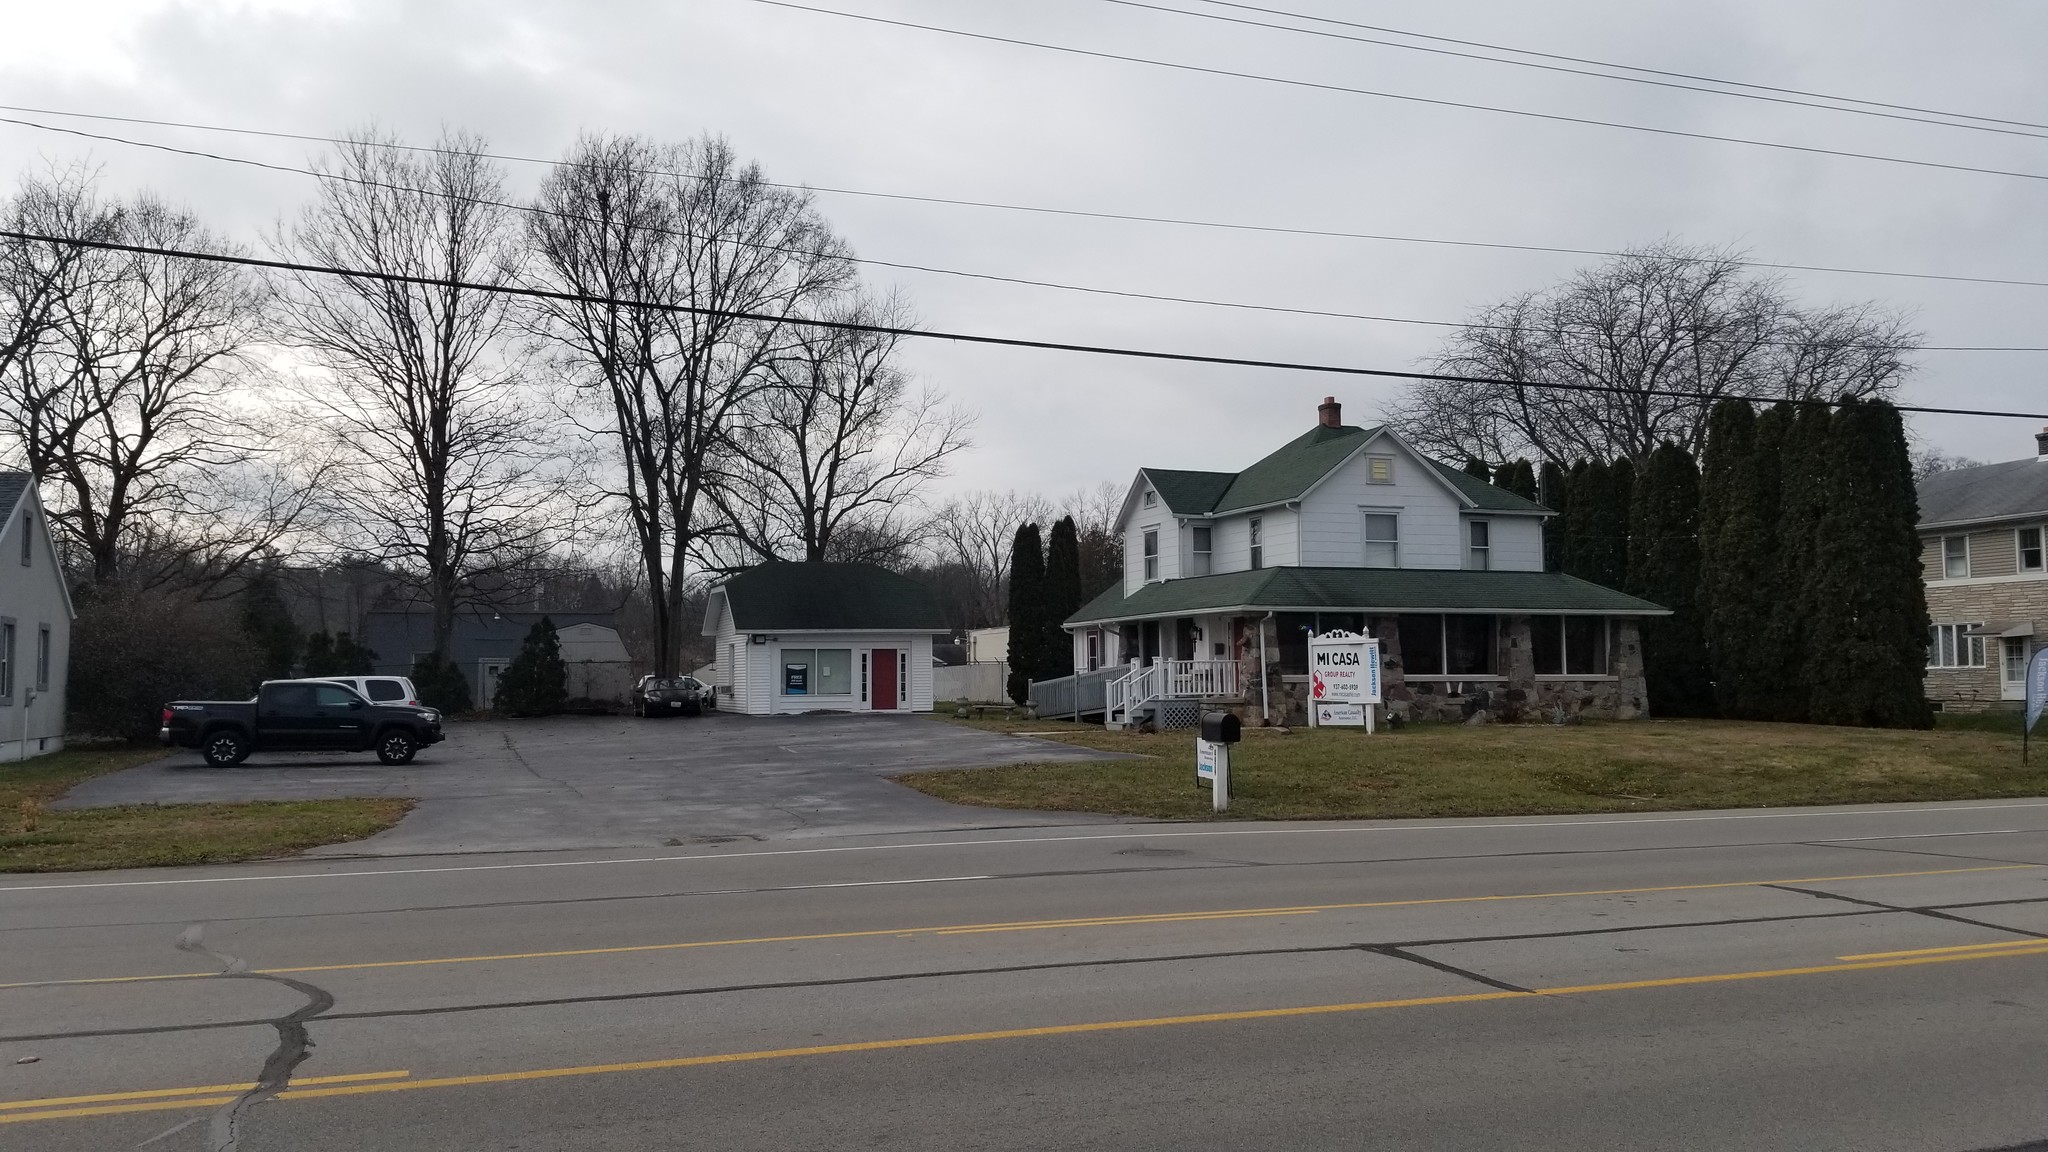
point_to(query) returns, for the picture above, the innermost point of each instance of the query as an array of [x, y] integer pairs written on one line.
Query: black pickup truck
[[299, 715]]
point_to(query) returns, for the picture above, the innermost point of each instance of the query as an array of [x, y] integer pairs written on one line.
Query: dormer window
[[1379, 469]]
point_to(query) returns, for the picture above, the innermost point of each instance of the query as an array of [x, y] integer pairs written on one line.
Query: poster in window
[[796, 679]]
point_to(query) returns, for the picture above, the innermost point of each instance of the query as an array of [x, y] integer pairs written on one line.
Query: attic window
[[1379, 469], [1151, 498]]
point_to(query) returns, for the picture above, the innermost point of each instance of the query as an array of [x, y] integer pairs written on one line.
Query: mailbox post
[[1212, 756]]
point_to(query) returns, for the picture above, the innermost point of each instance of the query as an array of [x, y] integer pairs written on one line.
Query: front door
[[1184, 640], [884, 663], [2012, 668], [1148, 641]]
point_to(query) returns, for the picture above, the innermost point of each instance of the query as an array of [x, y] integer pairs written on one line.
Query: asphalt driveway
[[613, 781]]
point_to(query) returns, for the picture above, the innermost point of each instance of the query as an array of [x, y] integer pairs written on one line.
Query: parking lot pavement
[[614, 781]]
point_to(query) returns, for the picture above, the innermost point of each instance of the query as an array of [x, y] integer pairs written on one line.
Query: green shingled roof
[[814, 596], [1295, 467], [1365, 590], [1189, 493]]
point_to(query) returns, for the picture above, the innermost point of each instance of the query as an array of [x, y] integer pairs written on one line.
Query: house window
[[1151, 498], [817, 672], [43, 658], [1094, 649], [1570, 645], [1451, 646], [1382, 540], [1199, 549], [1955, 646], [6, 660], [1151, 554], [2030, 549], [1379, 469], [1479, 550], [1258, 543], [28, 537], [1955, 557]]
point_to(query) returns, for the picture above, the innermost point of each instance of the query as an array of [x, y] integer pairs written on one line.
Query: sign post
[[2037, 697], [1343, 679]]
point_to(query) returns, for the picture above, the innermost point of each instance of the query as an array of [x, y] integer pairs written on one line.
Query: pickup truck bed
[[299, 716]]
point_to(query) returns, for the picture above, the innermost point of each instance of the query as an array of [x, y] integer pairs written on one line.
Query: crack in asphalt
[[294, 1043], [1393, 952], [1929, 911], [535, 772]]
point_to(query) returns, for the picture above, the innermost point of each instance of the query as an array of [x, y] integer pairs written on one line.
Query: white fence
[[985, 683]]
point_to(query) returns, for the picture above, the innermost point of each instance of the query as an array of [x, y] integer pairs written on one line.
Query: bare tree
[[417, 385], [973, 533], [1095, 511], [831, 459], [36, 278], [672, 248], [126, 401], [1661, 334]]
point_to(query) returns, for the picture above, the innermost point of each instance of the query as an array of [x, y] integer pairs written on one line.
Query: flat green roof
[[1366, 590]]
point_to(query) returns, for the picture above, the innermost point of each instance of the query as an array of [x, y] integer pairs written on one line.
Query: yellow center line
[[908, 1042], [154, 1093], [1028, 925], [1988, 946]]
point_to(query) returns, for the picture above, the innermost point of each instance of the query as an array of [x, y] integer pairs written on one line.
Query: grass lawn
[[35, 839], [1506, 770]]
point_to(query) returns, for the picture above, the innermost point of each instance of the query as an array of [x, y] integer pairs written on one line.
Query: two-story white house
[[35, 625], [1226, 574]]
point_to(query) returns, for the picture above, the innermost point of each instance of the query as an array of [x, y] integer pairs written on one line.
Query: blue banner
[[2037, 686]]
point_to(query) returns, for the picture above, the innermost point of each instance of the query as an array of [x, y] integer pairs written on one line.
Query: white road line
[[1490, 826]]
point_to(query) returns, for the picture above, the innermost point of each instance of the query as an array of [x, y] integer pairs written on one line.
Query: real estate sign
[[1343, 669]]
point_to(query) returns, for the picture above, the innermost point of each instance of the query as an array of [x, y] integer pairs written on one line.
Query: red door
[[883, 661]]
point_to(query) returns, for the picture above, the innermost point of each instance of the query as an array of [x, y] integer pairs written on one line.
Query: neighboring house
[[1981, 535], [816, 636], [1227, 573], [484, 642], [35, 625]]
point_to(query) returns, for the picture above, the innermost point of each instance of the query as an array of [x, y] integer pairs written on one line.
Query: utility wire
[[1812, 99], [1320, 86], [931, 334], [987, 276], [1041, 209]]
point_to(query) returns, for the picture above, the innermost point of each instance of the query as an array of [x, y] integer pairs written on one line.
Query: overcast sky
[[838, 103]]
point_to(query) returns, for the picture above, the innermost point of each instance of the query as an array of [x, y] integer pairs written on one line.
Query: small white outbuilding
[[818, 637]]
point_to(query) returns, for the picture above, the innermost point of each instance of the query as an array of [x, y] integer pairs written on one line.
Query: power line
[[931, 334], [988, 276], [1041, 209], [1809, 102], [1320, 86]]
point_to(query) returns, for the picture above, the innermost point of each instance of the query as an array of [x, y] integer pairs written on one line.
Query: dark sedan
[[669, 696]]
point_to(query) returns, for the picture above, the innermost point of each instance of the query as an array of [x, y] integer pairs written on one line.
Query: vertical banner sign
[[1343, 679], [2037, 695]]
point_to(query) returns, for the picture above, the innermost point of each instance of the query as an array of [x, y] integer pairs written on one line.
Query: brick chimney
[[1330, 414], [2041, 445]]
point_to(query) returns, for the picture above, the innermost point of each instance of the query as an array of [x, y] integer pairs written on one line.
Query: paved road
[[613, 781], [1869, 979]]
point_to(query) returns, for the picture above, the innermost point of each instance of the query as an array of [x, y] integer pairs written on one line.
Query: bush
[[536, 683], [134, 649], [440, 684]]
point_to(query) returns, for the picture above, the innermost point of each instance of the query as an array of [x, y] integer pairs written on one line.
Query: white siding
[[1282, 535], [1156, 519], [32, 599], [1333, 513], [1517, 542], [762, 693]]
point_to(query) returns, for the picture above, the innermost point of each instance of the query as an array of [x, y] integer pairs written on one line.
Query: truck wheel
[[395, 747], [225, 748]]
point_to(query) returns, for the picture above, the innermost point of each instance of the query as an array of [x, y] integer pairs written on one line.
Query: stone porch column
[[1393, 679], [1518, 666], [1632, 693]]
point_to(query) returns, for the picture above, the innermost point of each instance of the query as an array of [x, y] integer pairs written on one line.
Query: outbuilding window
[[817, 672]]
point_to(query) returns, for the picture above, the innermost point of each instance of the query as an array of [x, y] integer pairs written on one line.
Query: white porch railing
[[1190, 679]]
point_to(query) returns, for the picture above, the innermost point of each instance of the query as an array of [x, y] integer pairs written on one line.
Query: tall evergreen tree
[[268, 624], [1027, 610], [1664, 568], [1745, 584], [536, 683], [1062, 598], [1597, 530], [1802, 503], [1728, 575], [1474, 466], [1867, 654], [1554, 493], [1519, 477]]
